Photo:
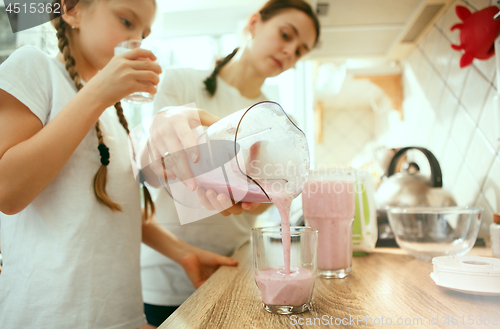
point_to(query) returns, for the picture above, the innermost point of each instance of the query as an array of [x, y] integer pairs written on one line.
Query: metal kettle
[[410, 188]]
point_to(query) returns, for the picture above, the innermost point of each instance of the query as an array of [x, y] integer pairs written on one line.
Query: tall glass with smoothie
[[328, 202], [286, 283]]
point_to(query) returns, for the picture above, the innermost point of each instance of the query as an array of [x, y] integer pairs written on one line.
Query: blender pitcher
[[251, 155]]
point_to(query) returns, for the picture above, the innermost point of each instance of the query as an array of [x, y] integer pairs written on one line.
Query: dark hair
[[100, 178], [269, 10]]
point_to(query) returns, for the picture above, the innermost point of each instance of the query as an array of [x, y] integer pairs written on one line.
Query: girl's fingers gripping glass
[[130, 48]]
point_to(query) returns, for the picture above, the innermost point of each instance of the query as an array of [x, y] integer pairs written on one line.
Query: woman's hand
[[133, 71], [173, 141], [200, 264], [223, 204]]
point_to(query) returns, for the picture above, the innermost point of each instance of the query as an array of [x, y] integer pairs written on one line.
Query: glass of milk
[[125, 46]]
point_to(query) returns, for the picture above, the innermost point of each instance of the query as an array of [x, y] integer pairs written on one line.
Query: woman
[[281, 33]]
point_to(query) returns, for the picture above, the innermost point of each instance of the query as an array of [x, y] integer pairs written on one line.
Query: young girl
[[72, 231], [281, 33]]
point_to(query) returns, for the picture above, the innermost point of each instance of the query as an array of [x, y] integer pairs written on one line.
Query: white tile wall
[[435, 89], [447, 109], [439, 136], [456, 76], [487, 68], [432, 43], [462, 129], [488, 121], [466, 187], [449, 19], [414, 60], [479, 4], [427, 122], [451, 163], [491, 188], [460, 108], [443, 56], [487, 213], [425, 72], [345, 133], [480, 156], [474, 95]]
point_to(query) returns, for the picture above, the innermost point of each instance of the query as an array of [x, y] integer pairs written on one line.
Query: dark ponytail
[[211, 81]]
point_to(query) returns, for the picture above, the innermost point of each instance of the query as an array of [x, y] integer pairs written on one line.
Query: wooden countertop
[[386, 284]]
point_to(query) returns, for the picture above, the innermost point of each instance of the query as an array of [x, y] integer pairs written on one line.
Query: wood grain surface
[[387, 288]]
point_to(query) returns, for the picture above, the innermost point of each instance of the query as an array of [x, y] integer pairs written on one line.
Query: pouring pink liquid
[[279, 286], [283, 203], [285, 286], [329, 207]]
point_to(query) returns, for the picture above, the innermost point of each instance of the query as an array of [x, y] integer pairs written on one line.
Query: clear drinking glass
[[328, 202], [285, 292], [125, 46]]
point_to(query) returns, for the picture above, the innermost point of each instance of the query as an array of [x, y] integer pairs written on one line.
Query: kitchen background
[[384, 76]]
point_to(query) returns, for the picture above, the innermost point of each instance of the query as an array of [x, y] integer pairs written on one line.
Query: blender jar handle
[[436, 175]]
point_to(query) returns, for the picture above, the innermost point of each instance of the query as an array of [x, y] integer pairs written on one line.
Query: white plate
[[468, 274], [482, 293]]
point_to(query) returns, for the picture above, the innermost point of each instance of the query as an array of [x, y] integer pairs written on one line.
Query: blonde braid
[[121, 117], [148, 200], [69, 61], [100, 178]]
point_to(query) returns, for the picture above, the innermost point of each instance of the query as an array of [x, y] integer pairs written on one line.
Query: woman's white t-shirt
[[164, 282], [70, 262]]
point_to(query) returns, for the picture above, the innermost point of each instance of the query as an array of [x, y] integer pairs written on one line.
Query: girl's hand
[[223, 204], [172, 136], [200, 264], [133, 71]]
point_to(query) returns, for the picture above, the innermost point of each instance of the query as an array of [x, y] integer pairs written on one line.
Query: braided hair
[[100, 178], [270, 9], [211, 81]]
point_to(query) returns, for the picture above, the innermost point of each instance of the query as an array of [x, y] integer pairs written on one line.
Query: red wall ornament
[[478, 32]]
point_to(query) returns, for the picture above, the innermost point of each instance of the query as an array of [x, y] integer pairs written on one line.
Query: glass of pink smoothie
[[329, 206], [285, 272]]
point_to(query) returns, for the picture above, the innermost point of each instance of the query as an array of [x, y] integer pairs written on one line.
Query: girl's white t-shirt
[[70, 262], [164, 282]]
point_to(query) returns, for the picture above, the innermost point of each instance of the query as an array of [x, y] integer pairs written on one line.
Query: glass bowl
[[427, 232]]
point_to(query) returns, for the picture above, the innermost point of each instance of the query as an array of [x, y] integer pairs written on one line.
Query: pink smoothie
[[286, 283], [329, 207], [282, 289], [241, 189], [282, 201], [234, 182], [285, 286]]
